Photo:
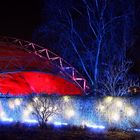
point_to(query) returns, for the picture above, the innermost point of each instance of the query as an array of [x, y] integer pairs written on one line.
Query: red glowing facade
[[26, 68], [24, 83]]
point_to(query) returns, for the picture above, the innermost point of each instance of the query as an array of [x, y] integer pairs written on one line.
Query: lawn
[[26, 132]]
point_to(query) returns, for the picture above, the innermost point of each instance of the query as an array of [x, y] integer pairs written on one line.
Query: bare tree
[[115, 81], [101, 28], [92, 35], [45, 107]]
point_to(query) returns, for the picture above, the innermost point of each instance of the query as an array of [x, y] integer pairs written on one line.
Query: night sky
[[19, 18]]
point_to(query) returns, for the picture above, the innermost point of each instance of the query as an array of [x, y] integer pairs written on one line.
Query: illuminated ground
[[22, 132], [94, 112]]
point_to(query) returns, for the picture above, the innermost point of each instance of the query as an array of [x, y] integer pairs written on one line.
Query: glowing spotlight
[[135, 90], [2, 114], [130, 112], [11, 105], [96, 126], [138, 130], [59, 123], [26, 113], [70, 113], [17, 102], [30, 108], [41, 109], [50, 108], [50, 119], [101, 107], [55, 108], [7, 119], [108, 99], [35, 99], [115, 117], [66, 99], [84, 123], [119, 103], [30, 121]]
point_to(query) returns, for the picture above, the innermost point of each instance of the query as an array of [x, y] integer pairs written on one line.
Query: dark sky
[[19, 18]]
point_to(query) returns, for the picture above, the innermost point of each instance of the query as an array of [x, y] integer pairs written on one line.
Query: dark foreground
[[26, 132]]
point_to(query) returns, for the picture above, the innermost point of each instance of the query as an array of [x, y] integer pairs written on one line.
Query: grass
[[25, 132]]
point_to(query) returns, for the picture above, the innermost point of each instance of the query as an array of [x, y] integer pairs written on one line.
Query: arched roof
[[26, 67]]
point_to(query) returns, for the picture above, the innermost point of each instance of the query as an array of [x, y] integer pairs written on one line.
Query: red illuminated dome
[[26, 68]]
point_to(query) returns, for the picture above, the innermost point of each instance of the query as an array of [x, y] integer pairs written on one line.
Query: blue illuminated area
[[20, 110], [137, 130], [60, 124], [92, 113], [95, 126]]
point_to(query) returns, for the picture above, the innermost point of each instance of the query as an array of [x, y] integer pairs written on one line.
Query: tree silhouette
[[45, 107]]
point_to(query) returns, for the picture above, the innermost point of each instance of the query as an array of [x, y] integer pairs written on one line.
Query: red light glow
[[24, 83]]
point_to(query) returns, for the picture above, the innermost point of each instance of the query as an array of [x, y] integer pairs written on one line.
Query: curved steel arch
[[59, 62]]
